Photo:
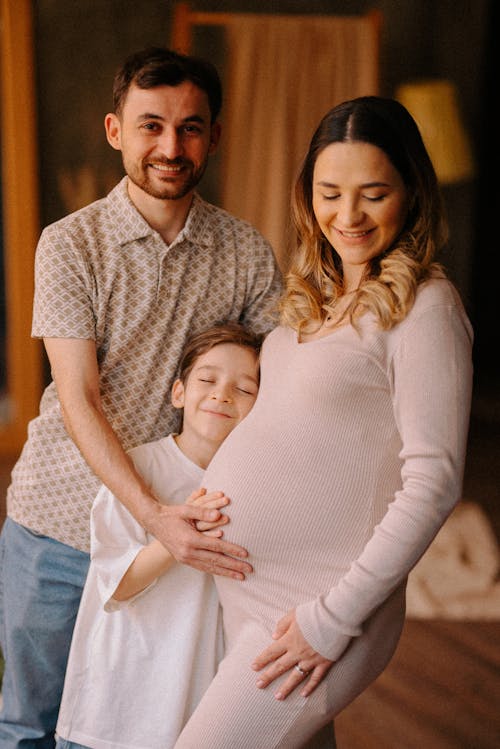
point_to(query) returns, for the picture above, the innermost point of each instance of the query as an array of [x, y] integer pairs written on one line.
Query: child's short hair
[[224, 332]]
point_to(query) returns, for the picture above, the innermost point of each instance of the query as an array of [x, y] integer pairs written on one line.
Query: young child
[[148, 640]]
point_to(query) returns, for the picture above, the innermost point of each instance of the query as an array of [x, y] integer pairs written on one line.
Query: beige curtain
[[285, 73]]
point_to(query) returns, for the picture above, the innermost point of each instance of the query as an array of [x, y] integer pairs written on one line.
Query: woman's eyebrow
[[364, 185]]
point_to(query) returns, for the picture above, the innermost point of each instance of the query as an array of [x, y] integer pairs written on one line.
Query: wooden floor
[[440, 691], [442, 688]]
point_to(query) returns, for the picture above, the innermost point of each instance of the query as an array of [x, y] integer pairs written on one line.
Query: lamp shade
[[434, 106]]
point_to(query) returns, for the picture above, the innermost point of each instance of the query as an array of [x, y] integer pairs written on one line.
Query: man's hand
[[291, 652], [174, 527]]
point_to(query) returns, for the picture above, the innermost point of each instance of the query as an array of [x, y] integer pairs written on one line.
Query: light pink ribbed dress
[[341, 475]]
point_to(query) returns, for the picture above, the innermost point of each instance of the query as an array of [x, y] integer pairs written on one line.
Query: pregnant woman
[[353, 455]]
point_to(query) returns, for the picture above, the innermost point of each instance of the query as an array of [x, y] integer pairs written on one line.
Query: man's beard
[[178, 188]]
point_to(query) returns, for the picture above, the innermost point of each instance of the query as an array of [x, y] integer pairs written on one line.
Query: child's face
[[219, 392]]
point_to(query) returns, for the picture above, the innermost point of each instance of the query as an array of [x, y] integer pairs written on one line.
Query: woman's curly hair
[[314, 281]]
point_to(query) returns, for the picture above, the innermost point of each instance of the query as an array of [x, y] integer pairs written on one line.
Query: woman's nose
[[350, 213]]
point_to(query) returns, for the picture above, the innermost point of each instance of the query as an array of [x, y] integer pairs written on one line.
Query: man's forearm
[[102, 450]]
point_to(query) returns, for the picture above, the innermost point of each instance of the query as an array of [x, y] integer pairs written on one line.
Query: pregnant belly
[[286, 491], [287, 516]]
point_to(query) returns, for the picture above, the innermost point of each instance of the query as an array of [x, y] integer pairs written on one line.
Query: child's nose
[[222, 394]]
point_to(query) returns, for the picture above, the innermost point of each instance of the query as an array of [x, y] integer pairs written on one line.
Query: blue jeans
[[65, 744], [41, 583]]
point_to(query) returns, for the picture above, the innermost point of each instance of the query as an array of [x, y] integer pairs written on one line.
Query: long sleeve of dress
[[431, 374]]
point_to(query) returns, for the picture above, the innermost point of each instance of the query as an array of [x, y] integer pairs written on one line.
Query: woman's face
[[360, 202]]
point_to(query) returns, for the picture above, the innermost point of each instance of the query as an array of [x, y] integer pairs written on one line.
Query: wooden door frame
[[20, 216]]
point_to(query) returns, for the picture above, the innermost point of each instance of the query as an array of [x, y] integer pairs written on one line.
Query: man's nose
[[170, 143]]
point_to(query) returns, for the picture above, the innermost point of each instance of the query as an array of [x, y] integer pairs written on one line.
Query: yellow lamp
[[434, 106]]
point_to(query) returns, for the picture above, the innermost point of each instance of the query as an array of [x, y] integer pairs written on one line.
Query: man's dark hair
[[159, 66]]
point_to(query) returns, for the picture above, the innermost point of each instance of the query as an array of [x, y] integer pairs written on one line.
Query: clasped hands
[[178, 528]]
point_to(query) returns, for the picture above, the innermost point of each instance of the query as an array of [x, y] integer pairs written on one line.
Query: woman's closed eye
[[375, 198], [371, 198]]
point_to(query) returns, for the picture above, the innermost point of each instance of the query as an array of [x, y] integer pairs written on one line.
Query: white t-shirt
[[137, 669]]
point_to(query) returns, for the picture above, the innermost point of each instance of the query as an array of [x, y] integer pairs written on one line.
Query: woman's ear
[[178, 394]]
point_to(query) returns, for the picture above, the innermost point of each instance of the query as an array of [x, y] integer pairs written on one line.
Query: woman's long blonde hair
[[314, 281]]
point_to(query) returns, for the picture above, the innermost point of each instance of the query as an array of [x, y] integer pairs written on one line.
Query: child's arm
[[151, 562], [154, 560]]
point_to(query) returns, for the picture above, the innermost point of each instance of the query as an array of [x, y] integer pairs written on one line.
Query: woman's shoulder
[[437, 291], [278, 340], [437, 298], [280, 332]]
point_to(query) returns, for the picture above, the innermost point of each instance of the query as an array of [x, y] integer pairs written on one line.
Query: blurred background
[[58, 59], [77, 46]]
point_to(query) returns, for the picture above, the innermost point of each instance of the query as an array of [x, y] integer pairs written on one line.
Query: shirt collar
[[198, 228], [127, 222]]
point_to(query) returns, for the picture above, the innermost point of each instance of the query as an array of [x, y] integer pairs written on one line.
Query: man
[[120, 285]]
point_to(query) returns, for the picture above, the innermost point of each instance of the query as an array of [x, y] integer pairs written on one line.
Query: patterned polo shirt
[[102, 273]]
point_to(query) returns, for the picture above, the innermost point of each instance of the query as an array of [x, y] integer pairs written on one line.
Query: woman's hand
[[211, 501], [291, 652]]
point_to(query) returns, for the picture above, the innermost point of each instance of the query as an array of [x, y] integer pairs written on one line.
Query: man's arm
[[75, 372]]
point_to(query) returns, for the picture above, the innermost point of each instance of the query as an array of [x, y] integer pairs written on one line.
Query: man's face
[[165, 137]]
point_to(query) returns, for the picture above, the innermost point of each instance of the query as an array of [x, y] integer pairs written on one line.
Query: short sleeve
[[63, 288], [264, 288], [116, 539]]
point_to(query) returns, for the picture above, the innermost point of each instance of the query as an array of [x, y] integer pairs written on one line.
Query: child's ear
[[178, 394]]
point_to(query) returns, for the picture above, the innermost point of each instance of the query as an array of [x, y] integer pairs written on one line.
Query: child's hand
[[211, 501]]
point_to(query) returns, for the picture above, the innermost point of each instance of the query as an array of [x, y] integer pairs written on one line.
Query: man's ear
[[215, 131], [178, 394], [112, 126]]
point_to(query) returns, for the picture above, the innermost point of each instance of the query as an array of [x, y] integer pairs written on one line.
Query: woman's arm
[[432, 375]]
